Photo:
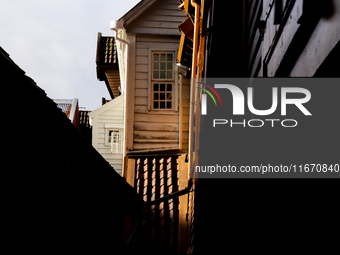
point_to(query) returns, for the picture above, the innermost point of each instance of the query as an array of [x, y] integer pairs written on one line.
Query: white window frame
[[173, 81], [116, 147]]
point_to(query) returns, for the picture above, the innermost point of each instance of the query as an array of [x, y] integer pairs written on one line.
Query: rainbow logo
[[204, 97]]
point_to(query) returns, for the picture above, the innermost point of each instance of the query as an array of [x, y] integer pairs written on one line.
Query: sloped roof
[[114, 102], [62, 187], [159, 17], [138, 9]]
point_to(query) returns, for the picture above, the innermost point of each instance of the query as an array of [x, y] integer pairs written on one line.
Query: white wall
[[110, 114]]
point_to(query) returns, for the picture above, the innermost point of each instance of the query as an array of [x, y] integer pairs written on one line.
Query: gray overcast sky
[[55, 41]]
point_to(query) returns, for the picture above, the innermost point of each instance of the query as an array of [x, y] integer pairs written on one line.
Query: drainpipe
[[192, 85], [117, 25], [196, 27]]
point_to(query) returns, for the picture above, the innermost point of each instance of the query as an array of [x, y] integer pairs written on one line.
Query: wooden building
[[157, 118], [155, 105], [108, 120], [254, 38], [107, 124], [156, 96], [209, 38], [292, 38]]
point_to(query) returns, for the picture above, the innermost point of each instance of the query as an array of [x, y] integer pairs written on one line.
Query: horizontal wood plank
[[155, 30], [141, 92], [156, 118], [141, 84], [155, 38], [164, 127], [141, 76], [141, 101], [141, 68], [155, 135], [143, 52], [159, 146]]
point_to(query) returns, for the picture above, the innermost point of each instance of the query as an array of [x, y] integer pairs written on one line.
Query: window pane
[[155, 87], [169, 57], [168, 96], [163, 57], [169, 66], [115, 135], [156, 74], [116, 138], [110, 132], [162, 96], [162, 66], [155, 96], [169, 87], [168, 105], [162, 75], [162, 87], [156, 66], [162, 105], [155, 105], [156, 57], [169, 74]]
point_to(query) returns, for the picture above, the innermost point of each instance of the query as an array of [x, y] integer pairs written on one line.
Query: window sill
[[166, 112]]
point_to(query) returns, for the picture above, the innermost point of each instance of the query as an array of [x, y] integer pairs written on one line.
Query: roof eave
[[106, 106], [137, 10]]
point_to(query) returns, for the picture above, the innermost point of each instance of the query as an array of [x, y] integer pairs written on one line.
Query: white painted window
[[114, 139], [162, 80]]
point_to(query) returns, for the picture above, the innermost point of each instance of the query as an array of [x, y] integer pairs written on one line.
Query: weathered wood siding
[[279, 33], [110, 113], [185, 110], [253, 40], [157, 129], [300, 41], [161, 18]]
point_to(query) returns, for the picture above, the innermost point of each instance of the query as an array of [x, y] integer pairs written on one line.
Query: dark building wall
[[254, 215], [253, 37], [298, 36], [271, 38], [224, 40]]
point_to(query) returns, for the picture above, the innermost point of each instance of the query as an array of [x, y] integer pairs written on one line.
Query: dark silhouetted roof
[[65, 195]]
